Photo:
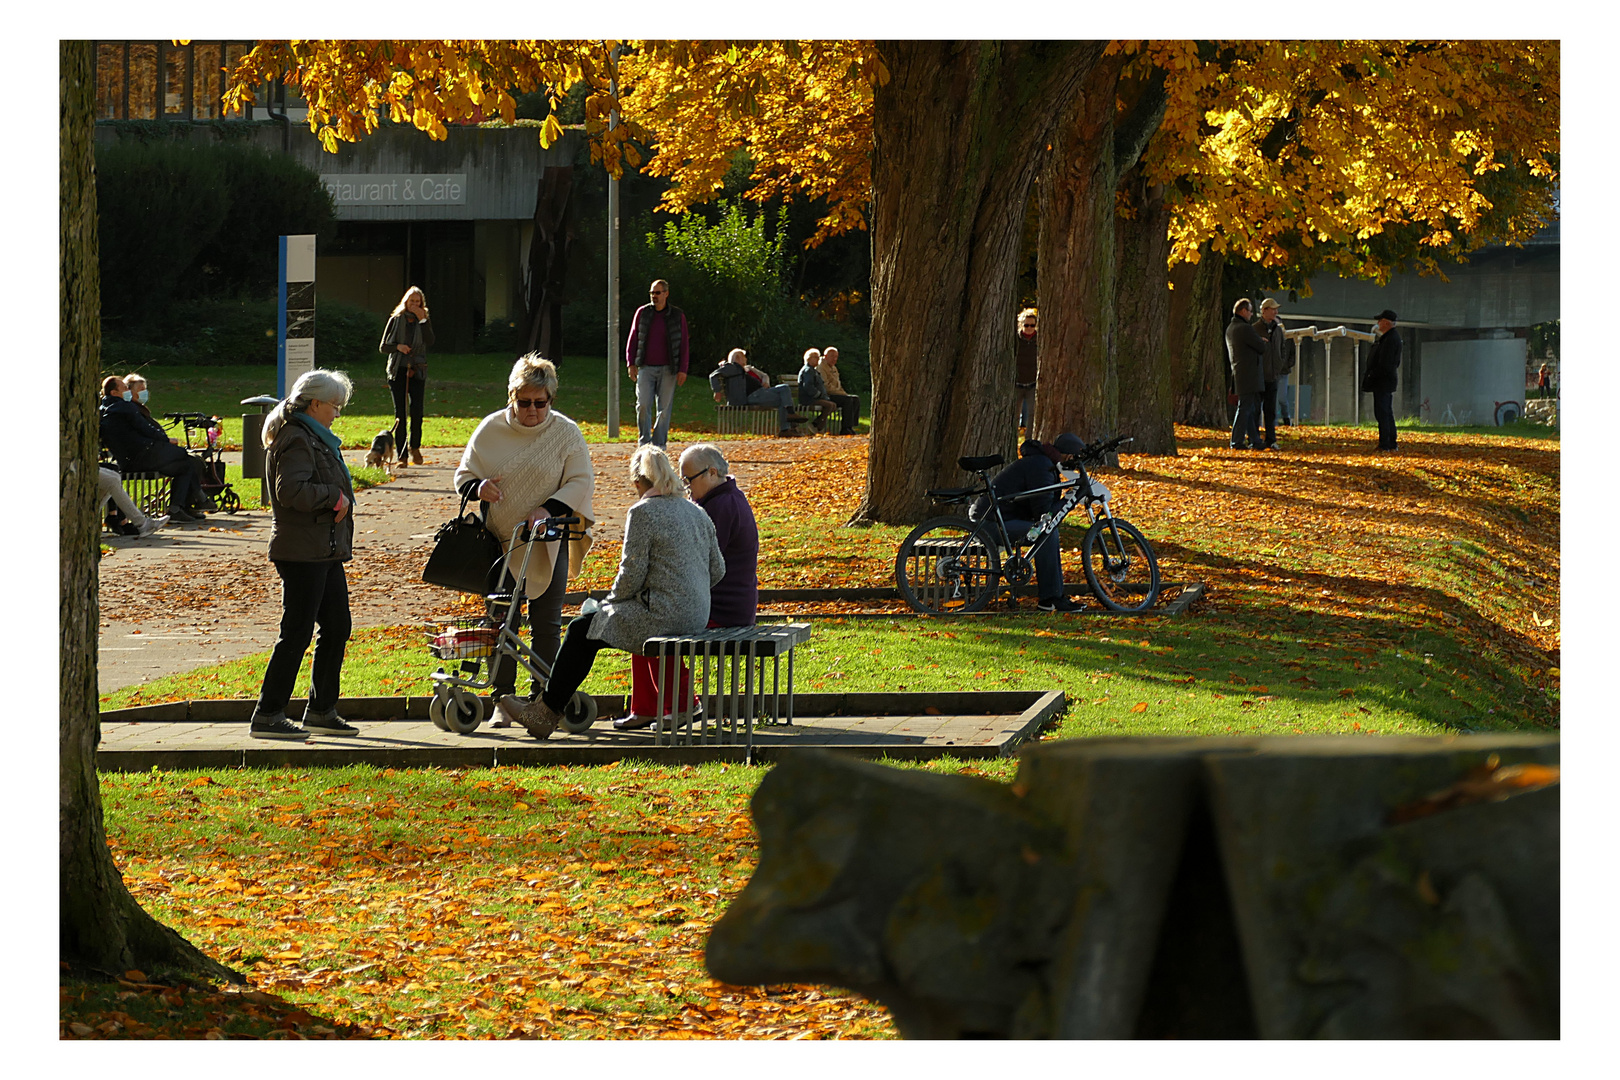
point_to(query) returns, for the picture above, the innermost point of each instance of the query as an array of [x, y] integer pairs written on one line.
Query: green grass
[[461, 391], [248, 490]]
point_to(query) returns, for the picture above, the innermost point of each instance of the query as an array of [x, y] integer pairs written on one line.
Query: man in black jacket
[[1035, 468], [1383, 361], [141, 445], [1246, 351]]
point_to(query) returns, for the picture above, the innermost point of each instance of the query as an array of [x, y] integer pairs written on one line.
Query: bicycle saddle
[[980, 464]]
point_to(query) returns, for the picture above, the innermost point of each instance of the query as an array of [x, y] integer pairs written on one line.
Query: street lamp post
[[613, 267]]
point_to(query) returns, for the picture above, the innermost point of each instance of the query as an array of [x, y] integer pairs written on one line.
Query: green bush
[[219, 332], [183, 220]]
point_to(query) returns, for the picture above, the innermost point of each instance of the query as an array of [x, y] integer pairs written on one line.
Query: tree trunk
[[547, 274], [102, 928], [957, 133], [1197, 342], [1142, 316], [1076, 386]]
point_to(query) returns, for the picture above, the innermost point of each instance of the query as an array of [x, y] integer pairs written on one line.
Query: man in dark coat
[[658, 353], [1271, 328], [141, 445], [1035, 468], [1024, 376], [1246, 351], [1383, 361]]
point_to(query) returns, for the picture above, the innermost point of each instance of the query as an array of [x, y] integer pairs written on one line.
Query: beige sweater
[[829, 375], [531, 465]]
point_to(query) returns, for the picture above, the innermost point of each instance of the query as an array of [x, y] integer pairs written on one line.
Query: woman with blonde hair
[[671, 560], [530, 462], [405, 340], [311, 537]]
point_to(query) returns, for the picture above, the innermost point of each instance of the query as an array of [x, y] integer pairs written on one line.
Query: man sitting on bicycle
[[1036, 467]]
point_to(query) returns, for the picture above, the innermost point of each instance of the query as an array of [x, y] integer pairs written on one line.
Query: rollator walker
[[479, 643]]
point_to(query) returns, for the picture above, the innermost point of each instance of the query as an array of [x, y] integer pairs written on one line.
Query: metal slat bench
[[745, 419], [147, 490], [728, 678]]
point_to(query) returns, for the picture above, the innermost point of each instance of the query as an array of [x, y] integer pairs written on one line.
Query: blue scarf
[[324, 433]]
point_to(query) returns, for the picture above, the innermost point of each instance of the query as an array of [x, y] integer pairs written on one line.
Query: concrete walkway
[[395, 733]]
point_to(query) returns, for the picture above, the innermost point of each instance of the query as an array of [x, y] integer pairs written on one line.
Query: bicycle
[[953, 565]]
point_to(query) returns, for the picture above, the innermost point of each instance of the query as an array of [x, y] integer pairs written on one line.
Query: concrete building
[[455, 217], [1464, 340]]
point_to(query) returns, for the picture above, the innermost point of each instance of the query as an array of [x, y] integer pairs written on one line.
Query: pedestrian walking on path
[[658, 353], [311, 537], [406, 339]]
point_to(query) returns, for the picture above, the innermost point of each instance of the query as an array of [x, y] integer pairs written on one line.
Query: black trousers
[[1384, 410], [574, 662], [312, 594], [850, 414], [545, 622], [1268, 412], [184, 471], [408, 395]]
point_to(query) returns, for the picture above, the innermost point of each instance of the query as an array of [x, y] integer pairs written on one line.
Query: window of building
[[152, 80], [176, 75], [207, 80], [109, 80], [142, 81]]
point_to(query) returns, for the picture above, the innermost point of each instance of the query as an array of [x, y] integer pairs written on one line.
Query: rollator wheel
[[580, 713], [436, 711], [229, 502], [464, 712]]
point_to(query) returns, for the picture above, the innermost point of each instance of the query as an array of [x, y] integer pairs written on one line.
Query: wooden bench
[[728, 681]]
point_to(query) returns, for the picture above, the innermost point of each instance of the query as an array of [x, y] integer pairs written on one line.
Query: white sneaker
[[153, 524]]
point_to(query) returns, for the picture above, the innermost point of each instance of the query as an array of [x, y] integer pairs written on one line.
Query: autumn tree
[[101, 927]]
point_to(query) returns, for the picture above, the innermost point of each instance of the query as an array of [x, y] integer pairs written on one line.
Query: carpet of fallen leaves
[[502, 903]]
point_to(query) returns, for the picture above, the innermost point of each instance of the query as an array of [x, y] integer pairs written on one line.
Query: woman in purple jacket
[[734, 600]]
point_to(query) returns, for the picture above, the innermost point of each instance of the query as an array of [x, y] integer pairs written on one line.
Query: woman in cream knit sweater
[[530, 462]]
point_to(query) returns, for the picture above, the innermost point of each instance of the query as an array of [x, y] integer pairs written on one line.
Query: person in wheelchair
[[1035, 468]]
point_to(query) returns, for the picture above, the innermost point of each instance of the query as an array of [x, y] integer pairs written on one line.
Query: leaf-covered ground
[[1348, 591]]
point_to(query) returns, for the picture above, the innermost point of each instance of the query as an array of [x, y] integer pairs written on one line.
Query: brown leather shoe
[[537, 718], [416, 455]]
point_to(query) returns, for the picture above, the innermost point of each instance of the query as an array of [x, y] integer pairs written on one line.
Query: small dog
[[381, 454]]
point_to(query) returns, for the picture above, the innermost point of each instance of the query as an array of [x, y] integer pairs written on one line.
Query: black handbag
[[464, 552]]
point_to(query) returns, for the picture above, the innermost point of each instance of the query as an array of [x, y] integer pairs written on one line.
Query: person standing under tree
[[1271, 328], [1544, 383], [1024, 376], [658, 352], [1383, 361], [405, 340], [1246, 351]]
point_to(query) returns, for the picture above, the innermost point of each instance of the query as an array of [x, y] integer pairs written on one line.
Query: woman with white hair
[[670, 562], [311, 537], [405, 341], [530, 462]]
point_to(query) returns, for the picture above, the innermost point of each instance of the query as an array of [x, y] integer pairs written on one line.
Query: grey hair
[[651, 464], [534, 371], [706, 455], [808, 353], [735, 353], [312, 386], [134, 377]]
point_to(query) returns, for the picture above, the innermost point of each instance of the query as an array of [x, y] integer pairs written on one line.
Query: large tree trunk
[[957, 133], [1197, 342], [1076, 387], [1142, 316], [547, 274], [102, 928]]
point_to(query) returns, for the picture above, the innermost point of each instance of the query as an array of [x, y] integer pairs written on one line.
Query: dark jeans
[[1384, 410], [1025, 396], [184, 471], [1246, 425], [312, 594], [1268, 412], [780, 396], [413, 390], [574, 662], [545, 622], [851, 415], [1048, 560]]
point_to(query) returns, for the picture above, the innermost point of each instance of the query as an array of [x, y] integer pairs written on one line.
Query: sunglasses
[[532, 403]]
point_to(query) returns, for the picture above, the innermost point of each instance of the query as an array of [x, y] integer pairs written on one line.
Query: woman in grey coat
[[311, 537], [670, 562]]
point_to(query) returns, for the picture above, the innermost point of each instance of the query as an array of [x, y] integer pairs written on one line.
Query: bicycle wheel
[[948, 566], [1120, 565]]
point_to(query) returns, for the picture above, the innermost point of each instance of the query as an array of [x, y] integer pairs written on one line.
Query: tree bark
[[1197, 343], [1076, 387], [1142, 316], [102, 928], [548, 262], [957, 133]]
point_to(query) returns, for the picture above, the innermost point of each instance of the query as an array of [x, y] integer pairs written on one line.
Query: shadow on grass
[[108, 1007]]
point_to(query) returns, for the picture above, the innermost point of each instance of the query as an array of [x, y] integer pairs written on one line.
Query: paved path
[[196, 595]]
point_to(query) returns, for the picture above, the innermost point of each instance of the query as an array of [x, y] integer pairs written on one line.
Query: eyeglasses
[[532, 403], [659, 292], [689, 480]]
